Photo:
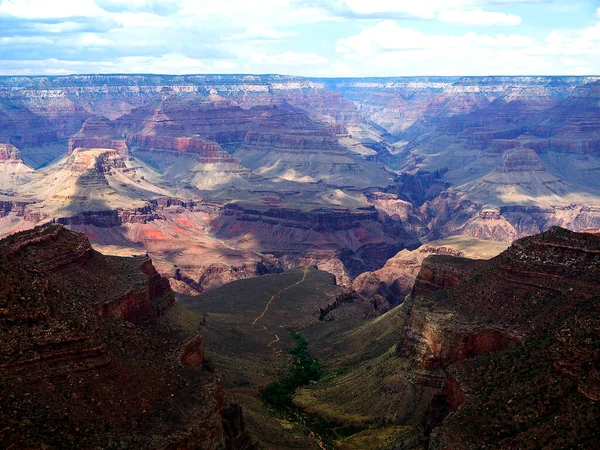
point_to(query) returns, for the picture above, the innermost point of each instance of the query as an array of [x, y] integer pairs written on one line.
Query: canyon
[[481, 353], [222, 177], [166, 240], [477, 345]]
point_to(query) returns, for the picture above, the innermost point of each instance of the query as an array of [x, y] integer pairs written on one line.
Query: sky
[[320, 38]]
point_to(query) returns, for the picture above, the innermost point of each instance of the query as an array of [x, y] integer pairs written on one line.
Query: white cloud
[[53, 66], [66, 27], [93, 40], [44, 9], [423, 9], [576, 66], [262, 33], [582, 43], [391, 9], [479, 18], [147, 20], [228, 65], [246, 14], [387, 36], [288, 59], [461, 12], [36, 40], [171, 63], [163, 7], [389, 49]]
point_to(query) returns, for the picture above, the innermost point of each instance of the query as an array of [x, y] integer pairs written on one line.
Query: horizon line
[[287, 75]]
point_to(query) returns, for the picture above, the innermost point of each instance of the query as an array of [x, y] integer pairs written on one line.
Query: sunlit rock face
[[13, 172], [396, 279], [97, 132]]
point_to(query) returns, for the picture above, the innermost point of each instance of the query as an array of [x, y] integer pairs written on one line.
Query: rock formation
[[396, 278], [483, 353], [495, 158], [79, 371], [13, 172], [523, 298], [180, 155], [97, 132], [226, 177]]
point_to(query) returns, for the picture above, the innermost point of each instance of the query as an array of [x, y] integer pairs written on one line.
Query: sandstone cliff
[[13, 172], [396, 278]]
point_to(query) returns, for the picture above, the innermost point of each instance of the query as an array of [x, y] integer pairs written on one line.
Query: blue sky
[[301, 37]]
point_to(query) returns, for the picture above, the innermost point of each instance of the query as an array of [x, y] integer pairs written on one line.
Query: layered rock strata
[[77, 369], [520, 305]]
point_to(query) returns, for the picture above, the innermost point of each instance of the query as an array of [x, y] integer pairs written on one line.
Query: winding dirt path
[[273, 341], [311, 434], [278, 293]]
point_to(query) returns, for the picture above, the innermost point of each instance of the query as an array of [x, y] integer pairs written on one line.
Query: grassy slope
[[368, 383], [249, 346], [250, 356]]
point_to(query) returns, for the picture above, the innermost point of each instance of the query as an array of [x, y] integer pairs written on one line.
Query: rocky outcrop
[[159, 130], [453, 212], [16, 207], [99, 186], [207, 151], [204, 277], [442, 272], [286, 144], [192, 352], [73, 378], [520, 160], [143, 301], [439, 338], [97, 132], [168, 139], [327, 220], [102, 219], [507, 274], [398, 211], [357, 238], [321, 104], [573, 123], [462, 309], [139, 297], [9, 152], [396, 279], [225, 125], [38, 122], [13, 172]]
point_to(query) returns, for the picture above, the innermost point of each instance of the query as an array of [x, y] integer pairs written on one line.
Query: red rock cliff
[[73, 378]]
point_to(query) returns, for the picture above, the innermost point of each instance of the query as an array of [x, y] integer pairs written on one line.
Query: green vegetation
[[279, 394], [382, 438], [304, 370]]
